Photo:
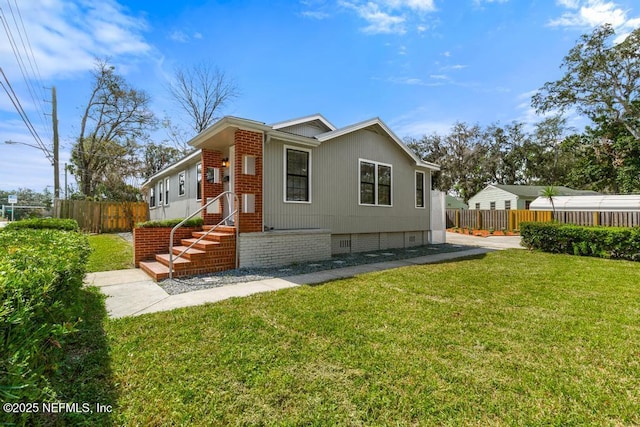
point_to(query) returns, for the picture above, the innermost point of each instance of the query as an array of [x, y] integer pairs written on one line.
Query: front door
[[229, 185]]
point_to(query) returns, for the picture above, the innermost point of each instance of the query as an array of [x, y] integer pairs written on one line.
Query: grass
[[513, 338], [110, 252]]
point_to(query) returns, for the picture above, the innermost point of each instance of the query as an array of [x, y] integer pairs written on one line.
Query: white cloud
[[315, 14], [481, 2], [422, 5], [66, 36], [179, 36], [593, 13], [414, 124], [182, 37], [390, 16]]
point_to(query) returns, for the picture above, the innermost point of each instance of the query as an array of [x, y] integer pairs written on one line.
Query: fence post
[[596, 218], [457, 218]]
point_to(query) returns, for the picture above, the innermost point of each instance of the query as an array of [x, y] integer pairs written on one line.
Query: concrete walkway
[[131, 292]]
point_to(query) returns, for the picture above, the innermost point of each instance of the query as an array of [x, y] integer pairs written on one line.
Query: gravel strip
[[229, 277]]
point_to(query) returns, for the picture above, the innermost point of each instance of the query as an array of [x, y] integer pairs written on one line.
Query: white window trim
[[199, 184], [415, 190], [166, 191], [154, 198], [375, 191], [284, 174], [185, 183]]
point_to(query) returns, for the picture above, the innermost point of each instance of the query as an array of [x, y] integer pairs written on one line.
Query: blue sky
[[419, 65]]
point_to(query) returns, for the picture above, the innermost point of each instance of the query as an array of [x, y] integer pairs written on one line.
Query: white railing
[[236, 223]]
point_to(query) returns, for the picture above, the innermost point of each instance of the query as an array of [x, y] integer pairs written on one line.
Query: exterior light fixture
[[225, 162]]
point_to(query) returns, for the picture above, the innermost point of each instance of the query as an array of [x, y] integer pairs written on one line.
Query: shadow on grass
[[85, 376], [444, 261]]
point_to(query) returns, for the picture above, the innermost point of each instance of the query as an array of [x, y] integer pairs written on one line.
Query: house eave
[[172, 167], [224, 123], [292, 138], [306, 119]]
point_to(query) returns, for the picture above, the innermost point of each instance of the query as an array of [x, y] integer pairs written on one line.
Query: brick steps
[[215, 252]]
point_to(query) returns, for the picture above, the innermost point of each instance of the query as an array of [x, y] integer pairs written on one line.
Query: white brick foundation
[[282, 247]]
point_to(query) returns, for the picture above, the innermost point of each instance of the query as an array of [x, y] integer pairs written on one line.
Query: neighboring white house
[[307, 189], [498, 196], [599, 203]]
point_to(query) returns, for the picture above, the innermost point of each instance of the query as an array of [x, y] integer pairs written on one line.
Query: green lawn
[[514, 337], [110, 252]]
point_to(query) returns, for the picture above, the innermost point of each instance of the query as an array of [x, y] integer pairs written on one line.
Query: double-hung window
[[375, 183], [297, 175], [166, 191], [152, 197], [181, 178], [160, 192], [419, 189], [199, 181]]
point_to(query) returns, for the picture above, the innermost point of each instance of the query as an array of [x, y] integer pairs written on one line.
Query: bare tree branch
[[201, 92]]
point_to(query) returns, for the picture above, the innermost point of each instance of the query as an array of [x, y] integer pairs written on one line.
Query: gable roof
[[376, 122], [318, 118], [533, 191]]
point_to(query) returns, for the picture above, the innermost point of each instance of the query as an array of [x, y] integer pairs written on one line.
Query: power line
[[20, 60], [23, 115]]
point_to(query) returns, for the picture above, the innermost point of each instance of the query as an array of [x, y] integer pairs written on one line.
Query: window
[[152, 197], [492, 206], [199, 181], [477, 206], [181, 176], [527, 204], [507, 204], [297, 175], [375, 183], [160, 192], [419, 189], [166, 191]]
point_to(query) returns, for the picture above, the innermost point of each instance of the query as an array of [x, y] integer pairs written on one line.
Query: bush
[[44, 223], [603, 242], [41, 275], [193, 222]]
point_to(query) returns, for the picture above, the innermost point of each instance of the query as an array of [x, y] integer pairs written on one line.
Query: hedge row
[[44, 223], [603, 242], [193, 222], [41, 274]]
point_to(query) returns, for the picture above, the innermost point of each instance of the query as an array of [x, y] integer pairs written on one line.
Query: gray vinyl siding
[[179, 206], [335, 189]]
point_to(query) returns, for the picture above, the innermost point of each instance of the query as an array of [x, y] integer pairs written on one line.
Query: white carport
[[600, 203]]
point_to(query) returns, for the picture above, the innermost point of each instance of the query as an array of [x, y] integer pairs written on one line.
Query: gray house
[[306, 189], [498, 196]]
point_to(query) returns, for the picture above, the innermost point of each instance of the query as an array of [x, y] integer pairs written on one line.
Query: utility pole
[[56, 144]]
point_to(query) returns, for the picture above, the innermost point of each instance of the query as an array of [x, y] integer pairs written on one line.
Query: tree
[[157, 157], [602, 80], [115, 118], [504, 163], [460, 154], [549, 192], [201, 91], [607, 158]]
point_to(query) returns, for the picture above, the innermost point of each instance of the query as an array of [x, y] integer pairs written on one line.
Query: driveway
[[491, 242]]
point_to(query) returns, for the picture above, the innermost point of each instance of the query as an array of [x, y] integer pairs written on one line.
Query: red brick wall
[[249, 143], [210, 159], [147, 242]]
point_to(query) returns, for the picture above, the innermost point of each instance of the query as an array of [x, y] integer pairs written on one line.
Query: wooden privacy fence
[[102, 217], [510, 219]]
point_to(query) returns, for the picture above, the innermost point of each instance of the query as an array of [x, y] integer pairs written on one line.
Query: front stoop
[[216, 252]]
